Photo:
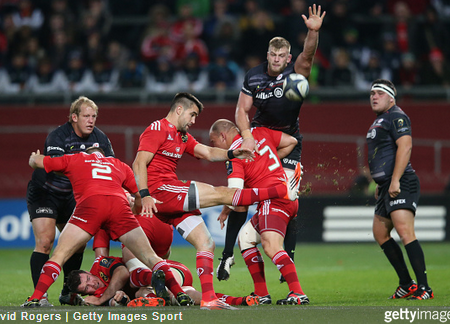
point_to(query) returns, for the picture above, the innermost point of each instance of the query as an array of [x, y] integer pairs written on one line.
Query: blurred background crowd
[[49, 46]]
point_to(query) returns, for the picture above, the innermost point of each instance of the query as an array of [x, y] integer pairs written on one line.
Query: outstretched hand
[[244, 154], [315, 19], [34, 157], [149, 206]]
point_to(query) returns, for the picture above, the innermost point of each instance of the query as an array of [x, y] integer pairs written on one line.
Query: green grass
[[346, 283]]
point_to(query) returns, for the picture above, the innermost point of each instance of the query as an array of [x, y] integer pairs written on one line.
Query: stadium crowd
[[178, 45]]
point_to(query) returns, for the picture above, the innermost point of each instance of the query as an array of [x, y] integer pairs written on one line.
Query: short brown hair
[[280, 42], [74, 280], [186, 100], [75, 107]]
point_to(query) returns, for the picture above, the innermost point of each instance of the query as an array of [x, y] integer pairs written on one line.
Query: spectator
[[164, 78], [436, 71], [194, 75], [60, 50], [219, 14], [46, 79], [390, 57], [403, 27], [78, 78], [341, 72], [186, 17], [27, 15], [222, 72], [34, 53], [337, 22], [408, 74], [104, 76], [372, 71], [17, 75], [133, 75], [226, 37], [191, 44], [117, 54]]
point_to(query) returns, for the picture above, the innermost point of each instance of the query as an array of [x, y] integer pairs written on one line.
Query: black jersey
[[274, 110], [381, 138], [64, 140]]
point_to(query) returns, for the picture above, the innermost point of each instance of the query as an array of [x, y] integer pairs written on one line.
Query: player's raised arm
[[287, 144], [304, 61]]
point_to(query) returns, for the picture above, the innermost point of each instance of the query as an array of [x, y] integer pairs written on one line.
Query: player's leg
[[248, 240], [403, 220], [44, 236], [136, 241], [209, 196], [71, 239], [235, 221], [290, 241], [382, 228]]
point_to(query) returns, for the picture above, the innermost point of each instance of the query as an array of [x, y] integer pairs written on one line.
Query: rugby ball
[[295, 87]]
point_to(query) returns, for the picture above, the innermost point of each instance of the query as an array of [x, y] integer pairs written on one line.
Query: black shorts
[[407, 199], [290, 161], [41, 203]]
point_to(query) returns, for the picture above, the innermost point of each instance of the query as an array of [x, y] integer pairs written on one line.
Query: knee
[[44, 244], [269, 248], [206, 245]]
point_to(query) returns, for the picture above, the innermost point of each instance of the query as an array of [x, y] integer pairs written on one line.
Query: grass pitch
[[346, 283]]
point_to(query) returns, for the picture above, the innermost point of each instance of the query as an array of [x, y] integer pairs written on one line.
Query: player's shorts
[[159, 234], [101, 240], [111, 213], [179, 200], [408, 198], [274, 215], [41, 203], [291, 160]]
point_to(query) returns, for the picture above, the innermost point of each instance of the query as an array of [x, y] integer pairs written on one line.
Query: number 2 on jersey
[[99, 171], [272, 156]]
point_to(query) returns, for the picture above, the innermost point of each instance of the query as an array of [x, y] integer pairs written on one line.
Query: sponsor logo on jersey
[[54, 148], [264, 96], [171, 154], [177, 149], [290, 161], [106, 262], [371, 134], [169, 138], [229, 166], [96, 145], [104, 277], [82, 146], [184, 138], [397, 202], [278, 92], [255, 190], [44, 210]]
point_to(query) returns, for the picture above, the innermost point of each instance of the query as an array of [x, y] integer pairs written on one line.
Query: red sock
[[205, 273], [230, 300], [255, 265], [287, 268], [171, 282], [49, 274], [245, 197], [141, 277]]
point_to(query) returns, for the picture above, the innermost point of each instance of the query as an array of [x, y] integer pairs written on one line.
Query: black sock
[[37, 261], [74, 263], [290, 239], [234, 224], [395, 256], [417, 260]]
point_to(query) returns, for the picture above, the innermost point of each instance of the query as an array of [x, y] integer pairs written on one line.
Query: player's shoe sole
[[159, 284], [216, 304], [147, 302], [72, 299], [294, 299], [224, 268], [250, 300]]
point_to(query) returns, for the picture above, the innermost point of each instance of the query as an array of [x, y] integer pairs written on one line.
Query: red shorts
[[101, 240], [184, 272], [274, 215], [111, 213], [159, 234], [172, 195]]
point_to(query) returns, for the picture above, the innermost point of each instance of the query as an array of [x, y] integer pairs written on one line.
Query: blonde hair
[[280, 42], [75, 107]]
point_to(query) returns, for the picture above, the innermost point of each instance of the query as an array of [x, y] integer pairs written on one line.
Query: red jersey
[[93, 174], [103, 268], [168, 145], [266, 170]]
